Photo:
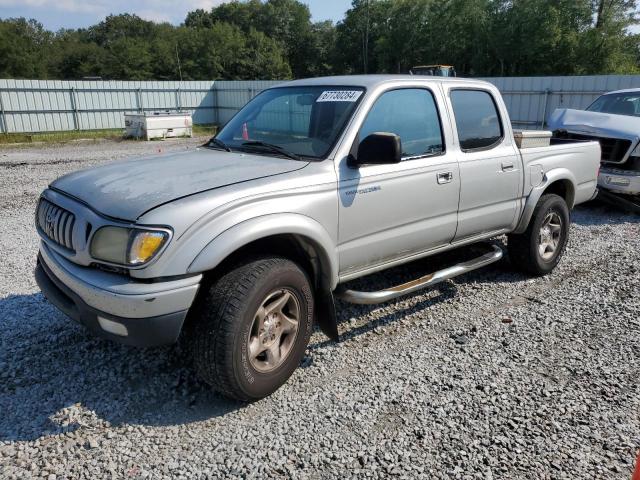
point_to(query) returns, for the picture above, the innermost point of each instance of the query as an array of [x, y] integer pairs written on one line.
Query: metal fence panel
[[58, 105], [231, 96]]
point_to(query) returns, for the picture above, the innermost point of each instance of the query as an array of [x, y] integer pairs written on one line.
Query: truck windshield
[[617, 103], [291, 121]]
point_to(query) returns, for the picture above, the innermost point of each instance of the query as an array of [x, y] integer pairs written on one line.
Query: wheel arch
[[273, 232], [558, 181], [293, 236]]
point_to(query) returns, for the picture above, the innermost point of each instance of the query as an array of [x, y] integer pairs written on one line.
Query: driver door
[[392, 211]]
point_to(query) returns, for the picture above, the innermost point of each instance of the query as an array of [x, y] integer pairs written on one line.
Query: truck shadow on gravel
[[598, 213], [56, 378], [351, 321]]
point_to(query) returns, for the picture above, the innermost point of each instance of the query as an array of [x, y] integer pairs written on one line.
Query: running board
[[370, 298]]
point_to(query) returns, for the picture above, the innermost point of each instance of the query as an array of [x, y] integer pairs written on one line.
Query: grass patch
[[57, 137], [202, 130], [61, 137], [7, 138]]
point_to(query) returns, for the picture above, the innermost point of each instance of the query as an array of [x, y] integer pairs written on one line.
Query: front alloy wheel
[[251, 327], [274, 330]]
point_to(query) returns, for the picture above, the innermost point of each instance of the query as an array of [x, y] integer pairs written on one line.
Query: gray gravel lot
[[493, 375]]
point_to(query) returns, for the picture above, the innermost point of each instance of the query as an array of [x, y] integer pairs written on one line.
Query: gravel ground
[[493, 375]]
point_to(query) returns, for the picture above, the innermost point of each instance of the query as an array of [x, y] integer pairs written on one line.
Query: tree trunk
[[599, 19]]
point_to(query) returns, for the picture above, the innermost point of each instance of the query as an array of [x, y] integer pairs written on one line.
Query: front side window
[[618, 104], [411, 114], [477, 119], [304, 121]]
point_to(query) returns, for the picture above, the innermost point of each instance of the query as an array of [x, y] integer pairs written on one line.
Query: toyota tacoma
[[241, 245]]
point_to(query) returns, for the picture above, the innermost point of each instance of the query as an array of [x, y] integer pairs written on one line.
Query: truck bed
[[580, 158]]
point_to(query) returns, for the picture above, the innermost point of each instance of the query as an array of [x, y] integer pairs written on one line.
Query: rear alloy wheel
[[539, 249], [550, 236]]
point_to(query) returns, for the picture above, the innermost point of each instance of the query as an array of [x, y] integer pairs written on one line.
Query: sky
[[56, 14]]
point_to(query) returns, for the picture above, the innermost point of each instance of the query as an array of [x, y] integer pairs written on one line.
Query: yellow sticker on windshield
[[339, 96]]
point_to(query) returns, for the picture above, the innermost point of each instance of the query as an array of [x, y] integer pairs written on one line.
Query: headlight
[[127, 246]]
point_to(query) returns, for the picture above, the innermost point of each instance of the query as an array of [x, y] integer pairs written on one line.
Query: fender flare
[[264, 226], [550, 177]]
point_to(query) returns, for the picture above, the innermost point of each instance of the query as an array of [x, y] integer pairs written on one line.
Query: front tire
[[539, 249], [252, 328]]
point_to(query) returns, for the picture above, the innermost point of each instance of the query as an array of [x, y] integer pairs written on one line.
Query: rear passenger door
[[490, 164], [391, 211]]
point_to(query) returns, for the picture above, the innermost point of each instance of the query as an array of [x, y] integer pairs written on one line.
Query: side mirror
[[377, 149]]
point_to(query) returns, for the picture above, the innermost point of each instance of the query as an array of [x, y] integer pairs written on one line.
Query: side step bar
[[370, 298]]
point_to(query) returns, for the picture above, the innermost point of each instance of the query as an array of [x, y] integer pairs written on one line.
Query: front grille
[[613, 149], [56, 223]]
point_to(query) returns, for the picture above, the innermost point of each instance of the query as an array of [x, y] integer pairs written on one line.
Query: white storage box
[[532, 138], [158, 125]]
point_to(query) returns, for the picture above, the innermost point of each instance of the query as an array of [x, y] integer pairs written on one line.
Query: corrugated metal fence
[[56, 105], [59, 105], [530, 100]]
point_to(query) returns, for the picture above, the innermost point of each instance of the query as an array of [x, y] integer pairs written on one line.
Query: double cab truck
[[241, 245]]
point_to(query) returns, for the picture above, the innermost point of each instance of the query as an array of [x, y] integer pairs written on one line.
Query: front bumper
[[620, 181], [113, 306]]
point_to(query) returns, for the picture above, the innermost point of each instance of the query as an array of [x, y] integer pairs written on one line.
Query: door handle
[[445, 177], [507, 166]]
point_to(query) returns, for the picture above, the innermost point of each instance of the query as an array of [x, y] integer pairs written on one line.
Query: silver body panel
[[116, 295], [356, 221], [127, 189]]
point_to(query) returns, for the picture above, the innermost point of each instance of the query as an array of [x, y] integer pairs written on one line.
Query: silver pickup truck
[[242, 244]]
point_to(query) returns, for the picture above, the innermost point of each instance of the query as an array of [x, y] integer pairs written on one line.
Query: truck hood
[[593, 123], [127, 189]]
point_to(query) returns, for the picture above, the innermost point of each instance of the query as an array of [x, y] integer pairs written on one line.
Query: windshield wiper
[[219, 143], [273, 148]]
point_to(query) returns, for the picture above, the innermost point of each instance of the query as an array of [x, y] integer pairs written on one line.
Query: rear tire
[[252, 328], [539, 249]]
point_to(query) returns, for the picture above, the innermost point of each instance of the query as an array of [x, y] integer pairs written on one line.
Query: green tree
[[277, 39], [224, 51], [24, 49], [73, 57], [490, 37], [322, 49], [608, 45], [361, 28], [288, 22]]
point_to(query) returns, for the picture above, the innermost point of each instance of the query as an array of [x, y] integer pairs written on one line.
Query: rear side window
[[411, 114], [477, 119]]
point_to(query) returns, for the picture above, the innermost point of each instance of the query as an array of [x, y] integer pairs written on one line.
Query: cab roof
[[370, 81], [627, 90]]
